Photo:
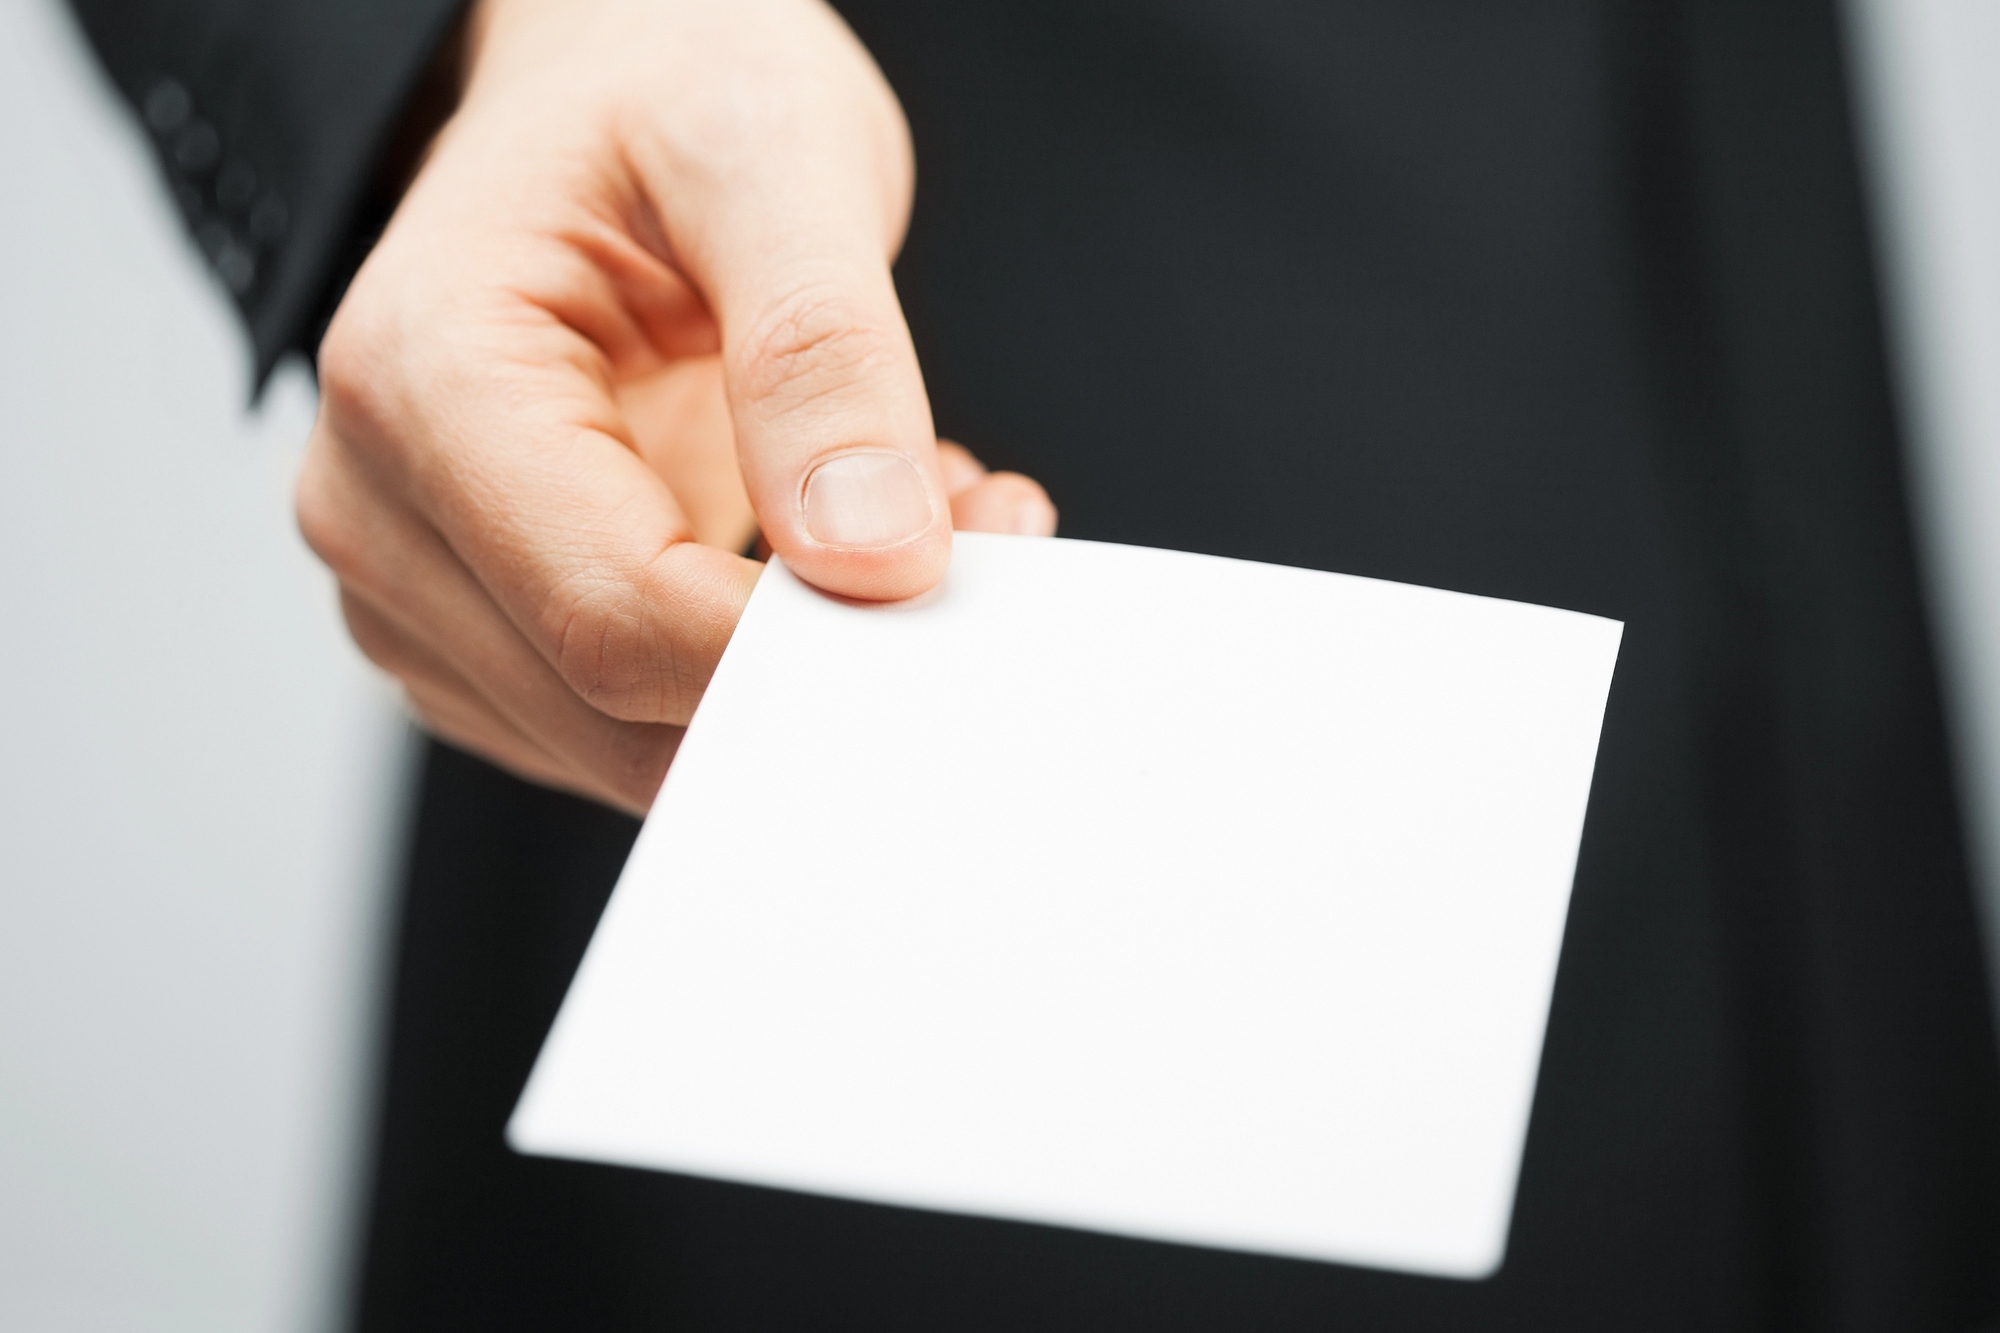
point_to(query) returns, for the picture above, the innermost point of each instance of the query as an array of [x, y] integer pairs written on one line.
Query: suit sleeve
[[271, 120]]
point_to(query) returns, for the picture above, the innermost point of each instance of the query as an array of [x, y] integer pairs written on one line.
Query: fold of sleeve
[[270, 119]]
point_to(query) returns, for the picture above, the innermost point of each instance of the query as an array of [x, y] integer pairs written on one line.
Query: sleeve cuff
[[270, 122]]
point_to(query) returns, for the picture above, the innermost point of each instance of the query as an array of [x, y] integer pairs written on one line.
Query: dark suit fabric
[[1564, 302], [271, 120]]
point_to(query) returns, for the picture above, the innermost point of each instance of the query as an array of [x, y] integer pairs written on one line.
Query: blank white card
[[1126, 889]]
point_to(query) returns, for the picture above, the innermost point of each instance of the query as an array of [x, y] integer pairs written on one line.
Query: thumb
[[834, 436], [790, 245]]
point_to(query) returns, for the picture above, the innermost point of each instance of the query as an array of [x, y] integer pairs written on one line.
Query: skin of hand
[[634, 307]]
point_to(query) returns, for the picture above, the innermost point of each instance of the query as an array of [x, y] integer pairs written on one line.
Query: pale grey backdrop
[[194, 768], [1928, 84]]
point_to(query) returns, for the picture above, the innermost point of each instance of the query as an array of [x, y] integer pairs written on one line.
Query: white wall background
[[199, 781], [1928, 89], [197, 776]]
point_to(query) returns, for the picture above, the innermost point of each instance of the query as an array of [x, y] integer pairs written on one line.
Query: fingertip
[[886, 574], [960, 470], [1005, 502]]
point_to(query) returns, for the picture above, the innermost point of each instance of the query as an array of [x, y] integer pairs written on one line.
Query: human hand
[[635, 305]]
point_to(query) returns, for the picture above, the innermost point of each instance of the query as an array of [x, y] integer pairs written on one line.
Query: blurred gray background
[[198, 778], [201, 784]]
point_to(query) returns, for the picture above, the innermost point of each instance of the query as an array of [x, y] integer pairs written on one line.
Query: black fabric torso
[[1540, 301]]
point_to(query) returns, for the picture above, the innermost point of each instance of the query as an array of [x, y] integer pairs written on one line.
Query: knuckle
[[322, 517], [358, 373], [347, 359], [811, 344]]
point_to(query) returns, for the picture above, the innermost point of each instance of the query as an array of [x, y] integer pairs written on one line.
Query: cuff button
[[167, 106]]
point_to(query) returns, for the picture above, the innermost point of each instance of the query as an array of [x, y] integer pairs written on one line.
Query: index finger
[[514, 449]]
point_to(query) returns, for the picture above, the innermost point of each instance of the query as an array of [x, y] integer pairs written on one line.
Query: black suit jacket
[[274, 124], [1562, 301]]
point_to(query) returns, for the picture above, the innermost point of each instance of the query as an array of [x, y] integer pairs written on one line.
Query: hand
[[635, 305]]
